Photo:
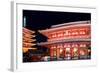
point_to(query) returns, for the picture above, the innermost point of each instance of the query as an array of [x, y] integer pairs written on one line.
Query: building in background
[[28, 39], [68, 41]]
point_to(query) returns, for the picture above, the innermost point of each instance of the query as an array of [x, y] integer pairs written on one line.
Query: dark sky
[[37, 20]]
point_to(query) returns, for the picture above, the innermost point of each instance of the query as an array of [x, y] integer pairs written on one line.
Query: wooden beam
[[28, 40], [28, 44]]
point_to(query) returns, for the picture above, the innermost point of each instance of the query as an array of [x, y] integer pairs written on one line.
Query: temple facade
[[68, 41]]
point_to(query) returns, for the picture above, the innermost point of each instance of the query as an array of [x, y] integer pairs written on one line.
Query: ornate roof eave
[[65, 26], [63, 41]]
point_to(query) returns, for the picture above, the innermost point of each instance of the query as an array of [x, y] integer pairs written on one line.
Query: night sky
[[36, 20]]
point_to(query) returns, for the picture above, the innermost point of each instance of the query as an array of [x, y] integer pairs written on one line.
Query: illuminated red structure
[[27, 39], [69, 40]]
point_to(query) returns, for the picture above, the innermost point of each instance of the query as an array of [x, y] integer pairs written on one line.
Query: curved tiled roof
[[63, 41], [70, 23], [66, 25]]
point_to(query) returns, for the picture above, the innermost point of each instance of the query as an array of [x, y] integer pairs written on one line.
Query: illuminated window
[[83, 52], [60, 34], [55, 52], [69, 34], [66, 33], [82, 32], [76, 33], [67, 49], [75, 52], [67, 53], [61, 50]]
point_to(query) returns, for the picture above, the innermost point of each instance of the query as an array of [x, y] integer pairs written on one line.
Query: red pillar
[[71, 51], [64, 52], [51, 53], [78, 51], [58, 53]]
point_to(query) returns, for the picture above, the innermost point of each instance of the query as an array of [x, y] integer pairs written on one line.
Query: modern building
[[68, 41]]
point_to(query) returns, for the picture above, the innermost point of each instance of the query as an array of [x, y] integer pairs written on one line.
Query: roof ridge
[[70, 23]]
